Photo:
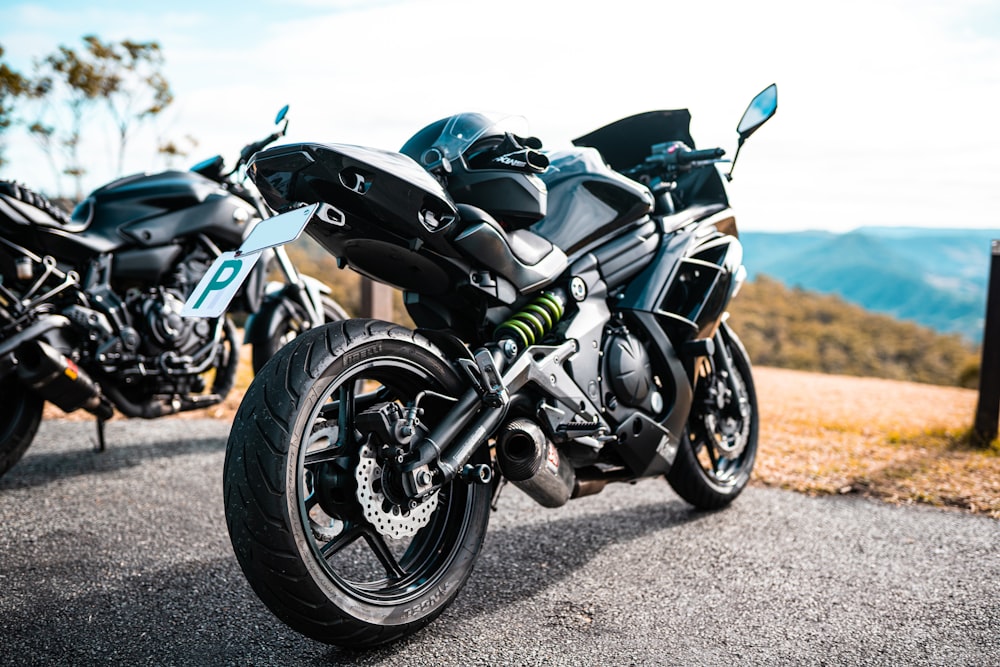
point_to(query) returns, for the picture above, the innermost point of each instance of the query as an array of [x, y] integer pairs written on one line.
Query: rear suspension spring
[[531, 324]]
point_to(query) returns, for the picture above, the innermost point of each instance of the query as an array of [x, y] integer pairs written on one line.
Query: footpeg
[[494, 393]]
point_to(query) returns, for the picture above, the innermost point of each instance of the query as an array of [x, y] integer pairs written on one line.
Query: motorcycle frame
[[677, 342]]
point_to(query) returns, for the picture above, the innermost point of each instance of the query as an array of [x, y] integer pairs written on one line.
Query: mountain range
[[934, 277]]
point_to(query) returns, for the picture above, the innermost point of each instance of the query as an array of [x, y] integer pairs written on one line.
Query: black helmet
[[485, 161]]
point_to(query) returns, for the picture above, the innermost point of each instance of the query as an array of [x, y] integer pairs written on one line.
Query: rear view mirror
[[760, 110]]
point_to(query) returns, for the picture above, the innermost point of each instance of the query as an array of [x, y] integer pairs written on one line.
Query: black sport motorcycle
[[571, 308], [90, 302]]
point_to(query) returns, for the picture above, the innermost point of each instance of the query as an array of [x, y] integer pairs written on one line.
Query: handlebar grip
[[256, 146], [697, 155]]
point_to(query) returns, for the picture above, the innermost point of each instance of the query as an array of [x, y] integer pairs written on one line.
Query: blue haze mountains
[[934, 277]]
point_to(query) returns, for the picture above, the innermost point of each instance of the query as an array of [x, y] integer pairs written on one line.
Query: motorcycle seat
[[25, 207], [524, 258]]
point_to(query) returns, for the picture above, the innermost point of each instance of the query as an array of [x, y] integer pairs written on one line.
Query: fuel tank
[[143, 213], [589, 203], [150, 210]]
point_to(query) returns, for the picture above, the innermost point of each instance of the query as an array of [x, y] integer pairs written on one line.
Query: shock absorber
[[531, 324]]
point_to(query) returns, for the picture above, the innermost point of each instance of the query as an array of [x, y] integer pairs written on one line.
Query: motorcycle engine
[[160, 316], [630, 373], [158, 311]]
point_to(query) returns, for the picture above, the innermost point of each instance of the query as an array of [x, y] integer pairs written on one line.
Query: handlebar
[[213, 167], [252, 148], [672, 157], [687, 157]]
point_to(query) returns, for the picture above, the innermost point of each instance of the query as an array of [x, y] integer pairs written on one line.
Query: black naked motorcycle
[[571, 308], [90, 302]]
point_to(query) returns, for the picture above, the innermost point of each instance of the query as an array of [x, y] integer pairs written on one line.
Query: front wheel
[[284, 320], [315, 535], [717, 452], [20, 415]]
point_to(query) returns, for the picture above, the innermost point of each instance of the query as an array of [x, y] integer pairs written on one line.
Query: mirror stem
[[732, 165]]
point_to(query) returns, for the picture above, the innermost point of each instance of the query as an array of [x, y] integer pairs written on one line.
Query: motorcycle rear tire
[[305, 517], [20, 415], [292, 322], [701, 474]]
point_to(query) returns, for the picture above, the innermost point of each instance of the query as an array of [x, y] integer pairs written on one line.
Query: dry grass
[[901, 442]]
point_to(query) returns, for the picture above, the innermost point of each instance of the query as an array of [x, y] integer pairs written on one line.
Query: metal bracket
[[543, 366], [490, 381]]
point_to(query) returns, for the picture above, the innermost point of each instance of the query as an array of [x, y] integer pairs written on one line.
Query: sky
[[886, 108]]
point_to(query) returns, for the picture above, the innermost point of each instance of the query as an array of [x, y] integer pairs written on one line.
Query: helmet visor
[[463, 130]]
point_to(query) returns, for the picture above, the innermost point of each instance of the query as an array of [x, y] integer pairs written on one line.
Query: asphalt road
[[122, 558]]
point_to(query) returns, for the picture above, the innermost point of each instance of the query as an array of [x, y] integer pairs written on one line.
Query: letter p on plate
[[219, 285]]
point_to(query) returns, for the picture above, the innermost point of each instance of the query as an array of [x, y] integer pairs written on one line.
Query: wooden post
[[988, 406], [376, 300]]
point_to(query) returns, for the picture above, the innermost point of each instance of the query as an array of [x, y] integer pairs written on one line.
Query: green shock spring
[[530, 325]]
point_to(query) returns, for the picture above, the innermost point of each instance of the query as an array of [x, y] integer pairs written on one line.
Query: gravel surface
[[122, 558]]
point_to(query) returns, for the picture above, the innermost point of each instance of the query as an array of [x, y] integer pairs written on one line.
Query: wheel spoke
[[345, 412], [336, 434], [324, 455], [361, 402], [311, 501], [384, 555], [330, 433], [713, 454], [347, 536]]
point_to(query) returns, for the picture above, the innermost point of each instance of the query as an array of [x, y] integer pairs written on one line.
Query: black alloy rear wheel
[[317, 538]]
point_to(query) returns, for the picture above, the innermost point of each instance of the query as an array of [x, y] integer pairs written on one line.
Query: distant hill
[[934, 277], [792, 328]]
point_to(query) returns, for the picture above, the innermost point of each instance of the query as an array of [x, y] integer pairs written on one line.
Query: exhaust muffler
[[54, 377], [532, 463]]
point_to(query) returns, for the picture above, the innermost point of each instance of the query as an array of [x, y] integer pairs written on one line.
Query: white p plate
[[229, 271], [219, 285]]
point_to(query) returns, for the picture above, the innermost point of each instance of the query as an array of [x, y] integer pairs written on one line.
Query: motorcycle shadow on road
[[536, 562], [67, 449]]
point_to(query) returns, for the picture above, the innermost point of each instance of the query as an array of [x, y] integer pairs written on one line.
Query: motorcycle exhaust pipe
[[532, 463], [54, 377]]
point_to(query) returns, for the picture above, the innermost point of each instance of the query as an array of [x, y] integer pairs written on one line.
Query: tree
[[171, 149], [124, 77], [135, 89], [12, 85]]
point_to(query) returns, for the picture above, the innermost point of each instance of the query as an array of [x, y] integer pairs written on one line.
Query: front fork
[[306, 294], [722, 365]]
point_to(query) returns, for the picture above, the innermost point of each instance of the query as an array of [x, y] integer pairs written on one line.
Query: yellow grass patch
[[902, 442]]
